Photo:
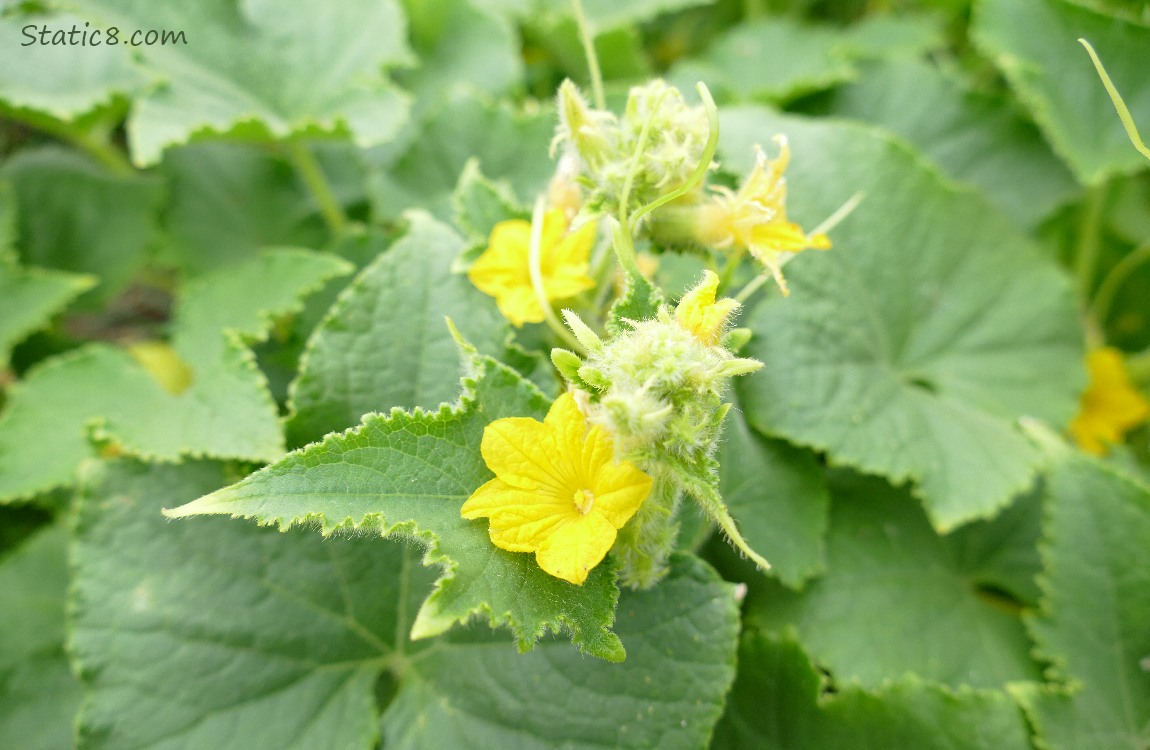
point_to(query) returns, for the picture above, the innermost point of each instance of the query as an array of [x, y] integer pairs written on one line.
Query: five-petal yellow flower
[[755, 218], [1110, 406], [558, 490], [503, 270]]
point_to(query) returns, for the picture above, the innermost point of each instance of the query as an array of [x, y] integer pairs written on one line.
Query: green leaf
[[38, 694], [1015, 168], [461, 47], [100, 390], [778, 496], [897, 598], [780, 701], [509, 144], [894, 36], [408, 475], [63, 82], [226, 201], [250, 70], [640, 301], [1092, 624], [1034, 44], [680, 638], [479, 203], [385, 342], [213, 633], [776, 59], [76, 216], [29, 297], [911, 348]]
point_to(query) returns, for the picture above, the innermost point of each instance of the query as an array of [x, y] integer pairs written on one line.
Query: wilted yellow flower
[[1110, 406], [503, 270], [557, 491], [700, 314], [755, 218]]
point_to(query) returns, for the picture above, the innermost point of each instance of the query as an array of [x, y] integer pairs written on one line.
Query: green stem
[[752, 287], [311, 172], [96, 146], [1087, 246], [536, 271], [1116, 99], [1104, 298], [588, 41]]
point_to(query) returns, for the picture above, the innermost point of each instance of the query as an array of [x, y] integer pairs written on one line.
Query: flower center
[[584, 499]]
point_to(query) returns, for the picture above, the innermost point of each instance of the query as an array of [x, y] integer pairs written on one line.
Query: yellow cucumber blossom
[[503, 270], [700, 314], [1110, 406], [558, 490], [755, 218]]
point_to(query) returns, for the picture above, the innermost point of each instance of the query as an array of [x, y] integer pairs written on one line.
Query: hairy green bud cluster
[[658, 389], [652, 149]]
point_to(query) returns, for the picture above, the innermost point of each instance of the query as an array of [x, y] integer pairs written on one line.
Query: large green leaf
[[210, 633], [777, 494], [1014, 167], [251, 70], [781, 702], [408, 475], [461, 47], [1034, 43], [771, 59], [100, 390], [62, 82], [1095, 610], [680, 637], [38, 694], [385, 342], [897, 599], [910, 349], [75, 216], [226, 201]]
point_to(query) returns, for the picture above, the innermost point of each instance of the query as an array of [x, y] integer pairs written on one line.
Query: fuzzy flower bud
[[651, 150], [658, 390]]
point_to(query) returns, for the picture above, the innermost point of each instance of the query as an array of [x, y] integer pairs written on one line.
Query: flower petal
[[519, 305], [576, 547], [522, 451], [619, 487]]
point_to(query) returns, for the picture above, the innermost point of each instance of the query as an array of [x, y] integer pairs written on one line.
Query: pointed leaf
[[227, 411], [408, 475], [385, 343]]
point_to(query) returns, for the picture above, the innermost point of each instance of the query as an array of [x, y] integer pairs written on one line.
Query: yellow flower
[[503, 270], [558, 491], [1110, 406], [755, 218], [700, 314]]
